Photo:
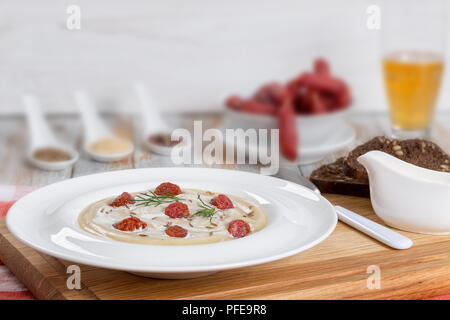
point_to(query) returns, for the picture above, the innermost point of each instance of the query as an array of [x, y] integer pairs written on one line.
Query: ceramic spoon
[[153, 122], [95, 129], [41, 136]]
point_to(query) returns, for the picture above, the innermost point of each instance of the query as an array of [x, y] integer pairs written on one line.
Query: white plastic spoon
[[95, 130], [41, 136], [154, 124]]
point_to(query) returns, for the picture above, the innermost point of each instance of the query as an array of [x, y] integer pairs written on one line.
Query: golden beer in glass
[[412, 81], [413, 47]]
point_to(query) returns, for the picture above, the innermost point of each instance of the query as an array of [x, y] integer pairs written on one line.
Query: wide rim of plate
[[15, 230]]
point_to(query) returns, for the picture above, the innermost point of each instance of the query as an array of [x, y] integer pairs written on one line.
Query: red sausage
[[253, 106], [124, 199], [314, 92], [322, 67], [130, 224], [321, 83], [343, 99], [176, 232], [177, 210], [250, 106], [318, 105], [167, 189], [222, 202], [234, 102], [270, 93], [288, 130], [238, 228]]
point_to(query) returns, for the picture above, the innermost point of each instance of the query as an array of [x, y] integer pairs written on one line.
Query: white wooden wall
[[192, 53]]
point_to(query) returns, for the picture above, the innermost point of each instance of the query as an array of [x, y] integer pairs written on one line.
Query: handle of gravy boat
[[373, 229]]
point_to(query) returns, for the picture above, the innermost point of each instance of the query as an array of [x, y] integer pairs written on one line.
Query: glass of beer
[[413, 45]]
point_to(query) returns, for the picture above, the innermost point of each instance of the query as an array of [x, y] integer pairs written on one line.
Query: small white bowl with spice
[[109, 148], [156, 133], [52, 158], [100, 143], [45, 151]]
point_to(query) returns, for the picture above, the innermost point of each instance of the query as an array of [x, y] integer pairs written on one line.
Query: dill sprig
[[206, 210], [152, 199]]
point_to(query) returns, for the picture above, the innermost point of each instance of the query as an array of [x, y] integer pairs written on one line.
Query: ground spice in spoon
[[163, 139], [110, 146], [51, 155]]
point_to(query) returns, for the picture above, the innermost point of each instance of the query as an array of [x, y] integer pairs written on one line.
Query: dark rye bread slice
[[347, 176], [419, 152], [331, 178]]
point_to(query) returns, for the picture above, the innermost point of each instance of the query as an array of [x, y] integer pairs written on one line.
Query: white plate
[[46, 220]]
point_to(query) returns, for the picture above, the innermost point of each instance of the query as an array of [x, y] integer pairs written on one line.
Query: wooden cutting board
[[334, 269]]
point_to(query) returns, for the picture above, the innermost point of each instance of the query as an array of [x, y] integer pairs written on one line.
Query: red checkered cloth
[[10, 287]]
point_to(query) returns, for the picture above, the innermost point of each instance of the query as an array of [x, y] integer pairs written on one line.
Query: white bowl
[[406, 196], [312, 129]]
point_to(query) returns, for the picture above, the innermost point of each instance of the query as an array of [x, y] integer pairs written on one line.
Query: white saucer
[[312, 153], [343, 138]]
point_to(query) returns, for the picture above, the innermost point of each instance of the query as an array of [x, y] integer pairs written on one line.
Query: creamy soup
[[205, 222]]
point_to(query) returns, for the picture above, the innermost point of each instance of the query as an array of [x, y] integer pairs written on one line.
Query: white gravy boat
[[406, 196]]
